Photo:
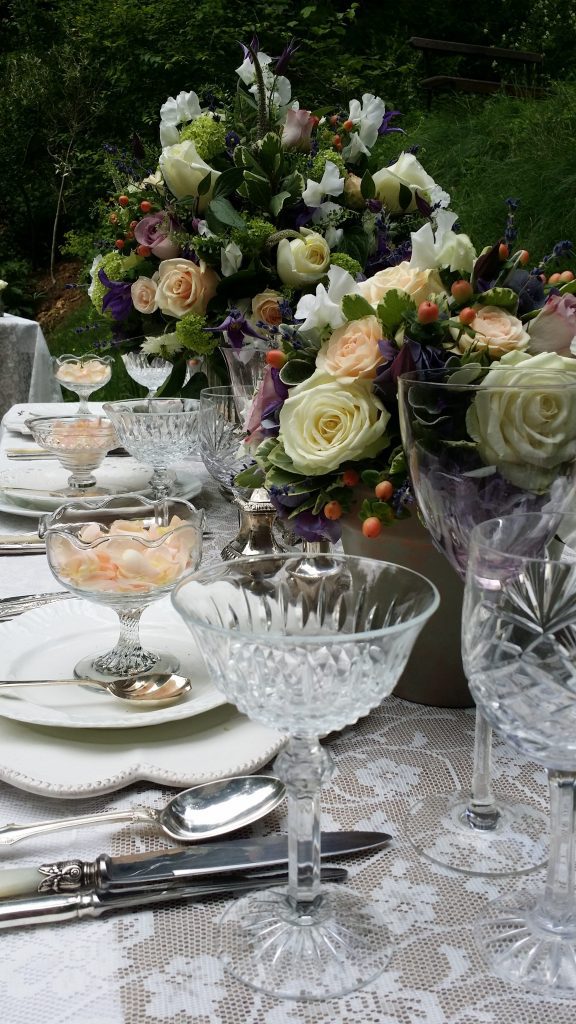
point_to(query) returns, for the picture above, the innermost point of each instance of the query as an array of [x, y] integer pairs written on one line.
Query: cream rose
[[418, 284], [304, 260], [406, 171], [143, 292], [496, 329], [265, 307], [183, 169], [185, 287], [326, 422], [352, 351], [526, 434]]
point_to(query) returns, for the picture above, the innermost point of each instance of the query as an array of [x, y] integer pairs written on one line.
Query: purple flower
[[254, 46], [305, 524], [118, 300], [385, 128], [236, 327], [153, 231], [285, 57]]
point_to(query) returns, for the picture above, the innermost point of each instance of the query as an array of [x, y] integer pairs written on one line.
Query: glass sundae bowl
[[82, 375], [158, 432], [79, 444], [124, 552], [149, 371]]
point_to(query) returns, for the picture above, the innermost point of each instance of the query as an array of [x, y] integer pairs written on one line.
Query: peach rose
[[185, 287], [143, 292], [418, 284], [497, 330], [352, 350], [265, 307]]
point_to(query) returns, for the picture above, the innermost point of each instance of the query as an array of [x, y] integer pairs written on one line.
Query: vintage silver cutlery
[[11, 606], [202, 812], [153, 690]]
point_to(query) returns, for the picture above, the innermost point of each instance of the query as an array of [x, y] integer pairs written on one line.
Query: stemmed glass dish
[[79, 444], [305, 645], [125, 552], [158, 432], [83, 375], [519, 650], [476, 450], [223, 417], [149, 371]]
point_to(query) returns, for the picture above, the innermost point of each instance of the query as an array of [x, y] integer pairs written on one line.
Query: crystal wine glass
[[519, 649], [158, 432], [83, 375], [80, 445], [457, 486], [307, 654], [125, 553], [149, 371], [223, 416]]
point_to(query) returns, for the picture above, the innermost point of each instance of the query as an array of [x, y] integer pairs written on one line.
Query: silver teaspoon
[[156, 689], [202, 812]]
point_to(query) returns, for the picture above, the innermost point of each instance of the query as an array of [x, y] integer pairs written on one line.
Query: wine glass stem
[[83, 407], [482, 812], [556, 910], [303, 767], [161, 483]]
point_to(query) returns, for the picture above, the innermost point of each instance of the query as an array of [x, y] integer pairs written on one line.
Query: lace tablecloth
[[160, 966], [26, 364]]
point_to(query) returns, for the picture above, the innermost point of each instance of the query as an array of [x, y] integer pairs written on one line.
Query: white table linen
[[26, 364]]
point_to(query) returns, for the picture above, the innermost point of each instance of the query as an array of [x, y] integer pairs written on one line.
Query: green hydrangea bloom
[[320, 160], [254, 236], [342, 259], [112, 263], [208, 135], [191, 334]]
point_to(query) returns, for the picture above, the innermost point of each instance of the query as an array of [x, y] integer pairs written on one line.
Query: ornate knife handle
[[12, 833]]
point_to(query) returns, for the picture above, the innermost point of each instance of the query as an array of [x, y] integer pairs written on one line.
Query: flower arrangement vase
[[434, 674]]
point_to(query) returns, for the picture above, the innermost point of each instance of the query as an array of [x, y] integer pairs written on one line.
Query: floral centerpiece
[[251, 203]]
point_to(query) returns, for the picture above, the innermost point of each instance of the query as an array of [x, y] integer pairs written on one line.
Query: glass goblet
[[519, 649], [246, 366], [457, 486], [149, 371], [83, 375], [158, 432], [223, 416], [125, 553], [80, 445], [307, 654]]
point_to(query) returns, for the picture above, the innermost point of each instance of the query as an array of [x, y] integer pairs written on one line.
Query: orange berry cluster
[[120, 243]]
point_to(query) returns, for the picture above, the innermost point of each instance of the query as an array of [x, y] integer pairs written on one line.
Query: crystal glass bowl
[[223, 412], [149, 371], [124, 552], [79, 444], [83, 375], [158, 432]]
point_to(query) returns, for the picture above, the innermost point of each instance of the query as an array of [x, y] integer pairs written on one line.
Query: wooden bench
[[527, 61]]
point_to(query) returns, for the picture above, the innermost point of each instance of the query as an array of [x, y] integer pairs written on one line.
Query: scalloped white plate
[[79, 763], [46, 644]]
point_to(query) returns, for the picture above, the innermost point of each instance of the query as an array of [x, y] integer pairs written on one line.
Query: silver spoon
[[198, 813], [153, 690]]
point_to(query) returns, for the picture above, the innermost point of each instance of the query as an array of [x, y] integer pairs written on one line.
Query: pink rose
[[555, 326], [265, 307], [496, 329], [185, 287], [352, 351], [297, 130], [154, 232], [143, 292]]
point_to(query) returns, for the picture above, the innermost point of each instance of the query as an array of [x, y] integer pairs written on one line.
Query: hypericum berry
[[119, 243], [566, 275], [113, 218], [503, 251], [334, 119], [337, 142], [554, 279], [523, 257], [461, 290], [467, 315], [275, 358], [372, 527], [143, 250], [350, 478], [129, 235], [145, 206], [428, 312], [133, 224], [348, 125], [123, 200], [384, 490], [333, 510]]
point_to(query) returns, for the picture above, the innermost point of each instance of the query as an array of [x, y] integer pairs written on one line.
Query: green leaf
[[228, 182], [173, 386], [279, 458], [204, 184], [256, 189], [367, 186], [277, 202], [356, 307], [503, 297], [293, 184], [405, 196], [221, 214], [252, 476], [356, 242], [244, 158], [393, 308], [295, 371], [270, 153], [567, 289], [278, 477]]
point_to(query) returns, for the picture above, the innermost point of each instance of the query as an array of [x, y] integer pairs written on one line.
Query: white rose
[[183, 169], [143, 293], [496, 329], [324, 423], [418, 284], [406, 171], [185, 287], [523, 417], [304, 260]]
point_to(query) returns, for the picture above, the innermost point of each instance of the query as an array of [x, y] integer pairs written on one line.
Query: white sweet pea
[[331, 184], [203, 229], [230, 259], [325, 307], [184, 107], [354, 149], [246, 71], [406, 171], [333, 236], [368, 117], [277, 87], [4, 284], [443, 247], [323, 212]]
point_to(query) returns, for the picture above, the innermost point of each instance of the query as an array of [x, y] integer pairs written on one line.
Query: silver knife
[[147, 871], [51, 908]]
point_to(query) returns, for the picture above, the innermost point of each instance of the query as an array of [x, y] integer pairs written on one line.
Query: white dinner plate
[[79, 763], [14, 419], [46, 644]]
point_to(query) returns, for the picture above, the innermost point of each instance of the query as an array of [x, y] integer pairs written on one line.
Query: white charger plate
[[80, 763], [15, 419], [46, 644]]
